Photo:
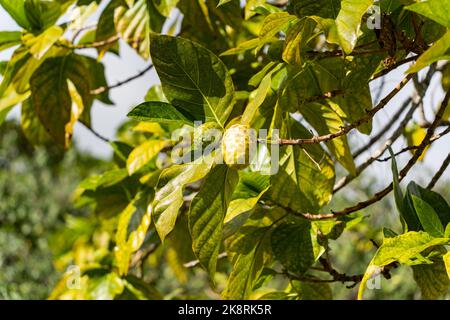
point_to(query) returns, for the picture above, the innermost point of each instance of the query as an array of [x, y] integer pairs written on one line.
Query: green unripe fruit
[[236, 143]]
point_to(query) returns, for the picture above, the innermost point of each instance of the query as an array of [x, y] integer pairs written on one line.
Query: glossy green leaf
[[440, 50], [398, 194], [165, 7], [307, 172], [106, 179], [194, 80], [51, 96], [106, 27], [129, 242], [292, 246], [143, 154], [135, 22], [43, 14], [273, 24], [436, 10], [32, 126], [428, 217], [432, 279], [169, 196], [446, 259], [39, 45], [296, 39], [312, 291], [9, 39], [325, 119], [249, 250], [321, 8], [207, 213], [403, 248], [161, 112], [16, 9], [250, 189], [345, 29]]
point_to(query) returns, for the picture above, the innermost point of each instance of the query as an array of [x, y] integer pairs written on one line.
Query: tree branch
[[440, 172], [344, 130], [121, 83], [381, 194]]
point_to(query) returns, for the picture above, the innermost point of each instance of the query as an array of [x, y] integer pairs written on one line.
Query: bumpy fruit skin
[[236, 143]]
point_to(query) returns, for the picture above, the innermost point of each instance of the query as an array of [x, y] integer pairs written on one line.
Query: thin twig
[[363, 166], [395, 135], [383, 130], [440, 172], [381, 194], [345, 129], [121, 83], [194, 263], [96, 44], [393, 67], [412, 148], [95, 133]]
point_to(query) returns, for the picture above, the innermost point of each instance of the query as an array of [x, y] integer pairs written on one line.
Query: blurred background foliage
[[35, 191], [40, 227]]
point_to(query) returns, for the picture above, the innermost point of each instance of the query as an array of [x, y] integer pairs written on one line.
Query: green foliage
[[167, 203], [35, 188]]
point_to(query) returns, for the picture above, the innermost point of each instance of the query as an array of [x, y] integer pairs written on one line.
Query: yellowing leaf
[[143, 154], [414, 136]]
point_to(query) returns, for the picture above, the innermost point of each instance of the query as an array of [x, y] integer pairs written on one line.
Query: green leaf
[[249, 250], [345, 29], [432, 280], [312, 291], [16, 9], [39, 45], [43, 14], [292, 246], [104, 287], [128, 243], [296, 39], [307, 172], [250, 189], [161, 112], [446, 259], [258, 97], [9, 39], [440, 50], [438, 203], [321, 8], [194, 80], [409, 213], [428, 217], [273, 24], [169, 197], [138, 289], [106, 28], [143, 154], [207, 213], [32, 126], [52, 98], [242, 47], [136, 21], [398, 194], [165, 7], [325, 119], [106, 179], [436, 10], [404, 248]]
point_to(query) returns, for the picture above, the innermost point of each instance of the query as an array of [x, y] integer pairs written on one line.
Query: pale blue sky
[[106, 119]]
